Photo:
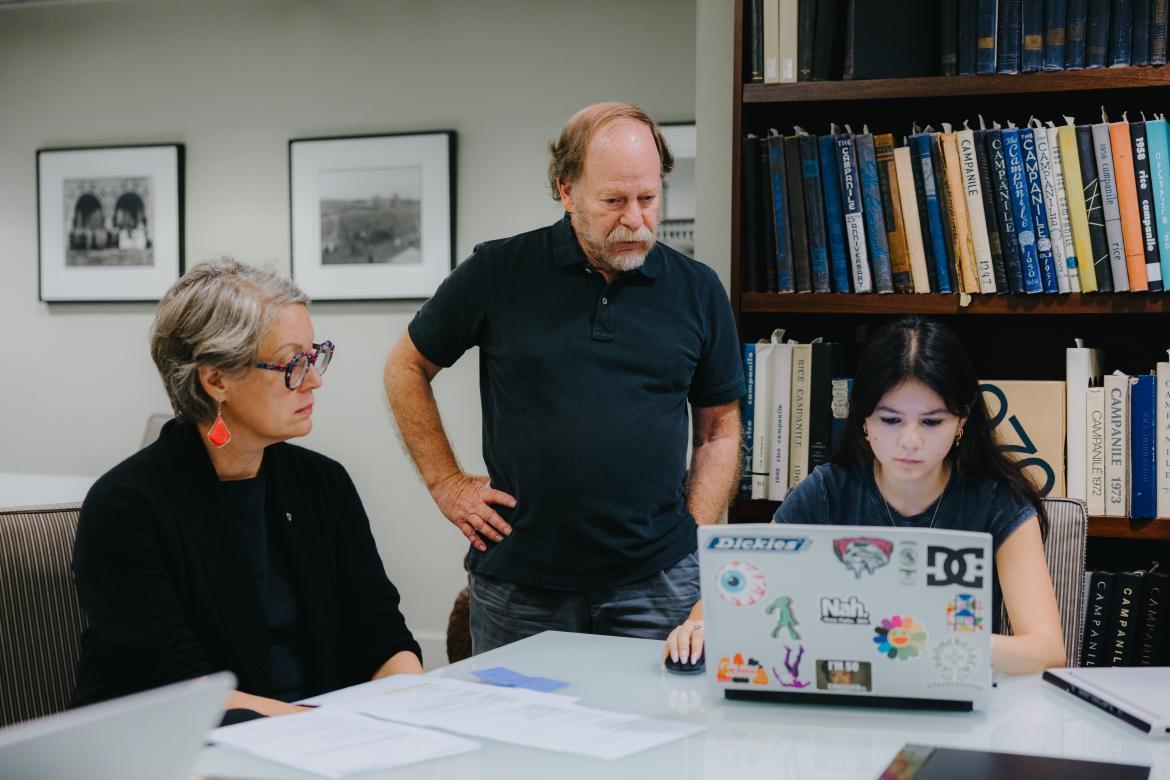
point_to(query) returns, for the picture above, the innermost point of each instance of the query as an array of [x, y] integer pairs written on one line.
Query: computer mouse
[[692, 666]]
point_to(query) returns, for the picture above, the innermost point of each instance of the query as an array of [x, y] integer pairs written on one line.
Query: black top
[[849, 495], [243, 501], [584, 387], [167, 588]]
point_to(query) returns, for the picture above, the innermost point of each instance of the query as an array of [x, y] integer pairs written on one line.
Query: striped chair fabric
[[40, 617], [1064, 548]]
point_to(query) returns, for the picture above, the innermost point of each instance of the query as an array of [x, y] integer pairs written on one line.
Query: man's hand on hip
[[467, 502]]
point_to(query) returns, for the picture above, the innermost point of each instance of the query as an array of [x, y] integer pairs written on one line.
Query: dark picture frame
[[109, 222], [372, 217]]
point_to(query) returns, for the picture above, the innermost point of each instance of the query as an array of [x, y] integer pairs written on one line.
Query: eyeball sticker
[[741, 583], [900, 637]]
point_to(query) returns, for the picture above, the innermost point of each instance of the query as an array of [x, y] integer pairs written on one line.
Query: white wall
[[234, 80]]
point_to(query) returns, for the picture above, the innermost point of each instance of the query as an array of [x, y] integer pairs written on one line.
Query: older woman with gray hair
[[220, 546]]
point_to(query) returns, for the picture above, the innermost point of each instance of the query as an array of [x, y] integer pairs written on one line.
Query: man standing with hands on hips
[[593, 338]]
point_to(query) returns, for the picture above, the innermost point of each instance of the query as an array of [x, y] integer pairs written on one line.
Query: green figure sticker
[[785, 617]]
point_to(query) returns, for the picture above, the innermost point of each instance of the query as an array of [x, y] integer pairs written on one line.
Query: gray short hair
[[215, 315]]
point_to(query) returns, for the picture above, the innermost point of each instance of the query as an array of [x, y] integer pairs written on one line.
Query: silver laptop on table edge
[[1135, 694], [152, 735], [848, 614]]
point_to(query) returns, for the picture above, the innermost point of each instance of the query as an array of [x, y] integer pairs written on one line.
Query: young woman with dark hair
[[918, 451]]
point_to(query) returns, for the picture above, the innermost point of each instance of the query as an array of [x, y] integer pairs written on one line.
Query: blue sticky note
[[499, 675]]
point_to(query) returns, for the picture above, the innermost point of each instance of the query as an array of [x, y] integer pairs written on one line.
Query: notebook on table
[[153, 735], [848, 614]]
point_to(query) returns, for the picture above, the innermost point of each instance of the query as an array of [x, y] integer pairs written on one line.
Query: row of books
[[1126, 619], [818, 40], [1013, 36], [1035, 209]]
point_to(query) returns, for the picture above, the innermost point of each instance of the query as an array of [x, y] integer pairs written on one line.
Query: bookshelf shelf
[[1057, 305], [955, 86], [1099, 527]]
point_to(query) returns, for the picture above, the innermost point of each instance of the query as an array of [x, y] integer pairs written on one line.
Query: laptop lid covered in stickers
[[848, 614]]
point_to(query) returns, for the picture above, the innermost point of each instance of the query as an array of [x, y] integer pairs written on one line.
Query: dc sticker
[[964, 567], [863, 553], [741, 583]]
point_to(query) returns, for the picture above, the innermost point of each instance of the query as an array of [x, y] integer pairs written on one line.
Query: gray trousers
[[503, 612]]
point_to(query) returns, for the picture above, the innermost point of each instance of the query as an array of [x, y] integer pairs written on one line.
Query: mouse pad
[[922, 762]]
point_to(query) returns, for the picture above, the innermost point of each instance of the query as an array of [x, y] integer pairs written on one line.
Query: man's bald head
[[569, 150]]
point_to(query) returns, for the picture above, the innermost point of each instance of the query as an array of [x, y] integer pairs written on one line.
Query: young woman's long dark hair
[[925, 350]]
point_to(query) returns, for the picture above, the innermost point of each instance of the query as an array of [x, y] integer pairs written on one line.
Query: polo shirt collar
[[567, 250]]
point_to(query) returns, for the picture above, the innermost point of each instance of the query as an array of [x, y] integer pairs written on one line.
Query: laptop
[[848, 614], [153, 735], [1136, 694]]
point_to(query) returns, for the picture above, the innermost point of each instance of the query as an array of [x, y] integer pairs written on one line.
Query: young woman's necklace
[[933, 516]]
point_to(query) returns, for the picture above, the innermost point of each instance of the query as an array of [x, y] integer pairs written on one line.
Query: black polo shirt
[[584, 387]]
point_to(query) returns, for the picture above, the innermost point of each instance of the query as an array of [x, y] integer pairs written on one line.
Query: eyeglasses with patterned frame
[[297, 368]]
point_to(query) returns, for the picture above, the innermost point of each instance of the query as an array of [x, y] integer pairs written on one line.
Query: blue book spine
[[1143, 479], [838, 255], [1007, 47], [748, 407], [985, 29], [1145, 192], [1141, 32], [1005, 214], [1076, 19], [853, 208], [1032, 35], [784, 271], [1039, 212], [920, 148], [814, 214], [1097, 35], [875, 223], [1022, 211], [1055, 34], [1121, 34], [1158, 139]]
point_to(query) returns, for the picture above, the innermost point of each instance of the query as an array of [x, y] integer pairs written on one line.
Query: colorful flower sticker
[[741, 583], [900, 637]]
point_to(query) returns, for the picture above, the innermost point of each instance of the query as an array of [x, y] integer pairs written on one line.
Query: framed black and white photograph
[[110, 222], [372, 217], [676, 224]]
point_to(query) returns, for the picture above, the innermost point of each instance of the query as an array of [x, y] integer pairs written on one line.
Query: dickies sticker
[[737, 670], [790, 677], [900, 637], [741, 583], [844, 610], [863, 554], [844, 675], [964, 614], [745, 543]]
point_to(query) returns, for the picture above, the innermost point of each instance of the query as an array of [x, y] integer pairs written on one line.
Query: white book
[[969, 169], [1072, 262], [780, 421], [1116, 443], [1095, 450], [1110, 209], [771, 38], [799, 427], [780, 25], [1162, 439], [1082, 370], [904, 167], [1044, 162], [761, 465]]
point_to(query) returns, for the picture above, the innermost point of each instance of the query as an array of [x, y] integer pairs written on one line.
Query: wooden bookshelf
[[1009, 336], [1102, 527]]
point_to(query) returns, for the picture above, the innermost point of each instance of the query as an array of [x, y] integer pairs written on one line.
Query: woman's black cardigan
[[164, 582]]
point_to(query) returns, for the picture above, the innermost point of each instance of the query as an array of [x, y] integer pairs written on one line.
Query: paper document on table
[[349, 697], [523, 718], [335, 742]]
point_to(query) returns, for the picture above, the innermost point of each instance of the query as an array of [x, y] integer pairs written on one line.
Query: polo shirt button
[[588, 270], [604, 301]]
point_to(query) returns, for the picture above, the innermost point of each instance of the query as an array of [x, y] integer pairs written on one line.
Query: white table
[[748, 739], [18, 489]]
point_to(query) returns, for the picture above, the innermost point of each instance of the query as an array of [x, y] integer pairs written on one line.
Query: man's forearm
[[714, 477], [412, 401]]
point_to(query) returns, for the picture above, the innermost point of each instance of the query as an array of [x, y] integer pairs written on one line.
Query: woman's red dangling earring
[[219, 435]]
